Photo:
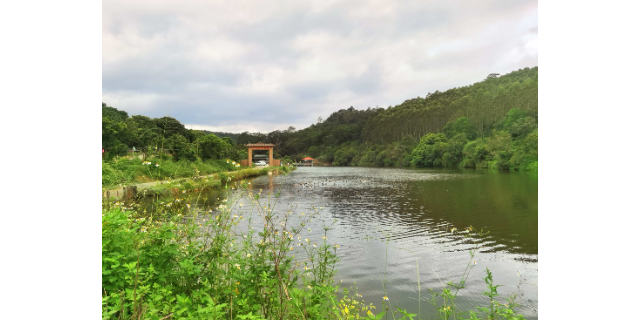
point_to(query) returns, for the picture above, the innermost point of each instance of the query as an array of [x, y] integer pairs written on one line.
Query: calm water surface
[[416, 209]]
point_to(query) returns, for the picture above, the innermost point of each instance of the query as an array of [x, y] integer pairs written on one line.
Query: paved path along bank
[[131, 190]]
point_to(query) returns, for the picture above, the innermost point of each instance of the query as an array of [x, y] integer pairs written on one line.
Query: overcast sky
[[265, 65]]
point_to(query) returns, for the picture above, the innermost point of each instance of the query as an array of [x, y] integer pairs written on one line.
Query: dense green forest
[[490, 124], [165, 135]]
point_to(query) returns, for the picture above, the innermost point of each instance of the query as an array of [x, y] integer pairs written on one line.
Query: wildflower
[[337, 246], [227, 160], [238, 266], [474, 263], [248, 255], [308, 286], [249, 183], [290, 248], [184, 191], [307, 240], [453, 229], [309, 230], [241, 204], [323, 237], [188, 205], [314, 245], [385, 298], [358, 295], [157, 165]]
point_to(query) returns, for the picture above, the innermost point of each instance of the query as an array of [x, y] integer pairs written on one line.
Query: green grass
[[125, 172]]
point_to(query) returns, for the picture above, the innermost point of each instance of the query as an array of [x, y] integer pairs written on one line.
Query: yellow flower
[[385, 298]]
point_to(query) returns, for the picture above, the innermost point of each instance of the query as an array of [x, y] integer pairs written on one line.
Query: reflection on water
[[415, 210]]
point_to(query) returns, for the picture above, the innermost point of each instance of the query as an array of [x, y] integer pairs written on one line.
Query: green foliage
[[314, 152], [521, 127], [343, 156], [460, 126], [433, 138], [169, 263], [212, 147], [181, 149], [483, 103]]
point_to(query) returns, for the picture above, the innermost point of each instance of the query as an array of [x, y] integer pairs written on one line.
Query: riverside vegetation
[[180, 262], [489, 124]]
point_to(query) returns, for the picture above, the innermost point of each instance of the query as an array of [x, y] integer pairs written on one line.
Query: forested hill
[[489, 124], [483, 103]]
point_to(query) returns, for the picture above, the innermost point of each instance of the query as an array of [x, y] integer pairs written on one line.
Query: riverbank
[[129, 171], [193, 183]]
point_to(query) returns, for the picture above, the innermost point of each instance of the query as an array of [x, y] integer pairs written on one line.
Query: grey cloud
[[371, 55]]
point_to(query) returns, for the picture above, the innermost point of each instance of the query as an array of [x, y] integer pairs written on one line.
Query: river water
[[406, 215]]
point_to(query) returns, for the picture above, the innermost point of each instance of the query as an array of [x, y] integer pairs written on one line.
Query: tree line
[[163, 136], [489, 124]]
